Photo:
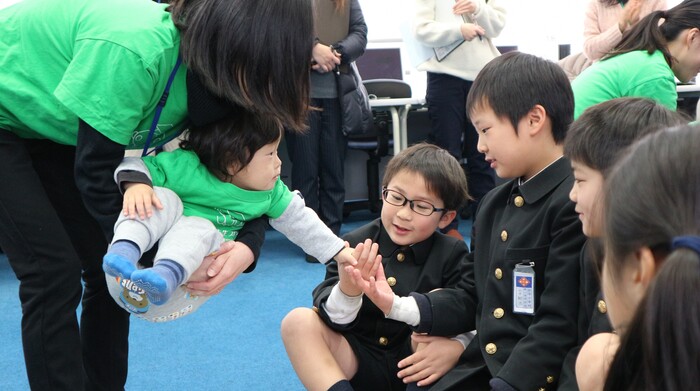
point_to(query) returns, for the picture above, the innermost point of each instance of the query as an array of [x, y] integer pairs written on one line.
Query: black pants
[[318, 163], [452, 130], [51, 241]]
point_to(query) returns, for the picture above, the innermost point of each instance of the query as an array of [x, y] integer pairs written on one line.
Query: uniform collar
[[544, 182], [417, 253]]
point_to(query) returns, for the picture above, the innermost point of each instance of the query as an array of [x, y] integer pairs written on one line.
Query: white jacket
[[435, 25]]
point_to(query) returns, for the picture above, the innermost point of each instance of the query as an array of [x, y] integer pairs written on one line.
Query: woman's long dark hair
[[653, 195], [648, 35], [254, 53]]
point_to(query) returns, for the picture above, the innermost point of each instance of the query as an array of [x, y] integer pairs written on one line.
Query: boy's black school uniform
[[593, 311], [515, 225], [380, 343]]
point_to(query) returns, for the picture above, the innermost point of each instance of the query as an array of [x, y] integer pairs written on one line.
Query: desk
[[398, 108]]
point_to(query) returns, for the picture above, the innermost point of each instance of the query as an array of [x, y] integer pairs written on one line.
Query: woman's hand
[[630, 15], [462, 7], [325, 58], [471, 31], [433, 358], [139, 199], [220, 268]]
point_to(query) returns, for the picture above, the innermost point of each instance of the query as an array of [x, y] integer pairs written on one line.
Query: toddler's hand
[[345, 257], [139, 199]]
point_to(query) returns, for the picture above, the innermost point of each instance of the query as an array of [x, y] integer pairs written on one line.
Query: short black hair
[[599, 136], [441, 171], [512, 84], [232, 141]]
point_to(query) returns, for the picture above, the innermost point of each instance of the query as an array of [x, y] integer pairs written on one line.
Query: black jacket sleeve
[[353, 46], [96, 159]]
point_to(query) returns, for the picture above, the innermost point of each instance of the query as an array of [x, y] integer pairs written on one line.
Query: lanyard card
[[524, 288]]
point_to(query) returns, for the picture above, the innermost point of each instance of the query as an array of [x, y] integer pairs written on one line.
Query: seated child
[[594, 143], [226, 173], [651, 271], [346, 342], [519, 288]]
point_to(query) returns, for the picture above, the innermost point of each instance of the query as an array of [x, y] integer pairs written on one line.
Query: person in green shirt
[[80, 82], [227, 173], [663, 46]]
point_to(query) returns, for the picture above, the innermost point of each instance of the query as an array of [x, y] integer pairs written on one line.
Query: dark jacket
[[433, 263], [533, 222]]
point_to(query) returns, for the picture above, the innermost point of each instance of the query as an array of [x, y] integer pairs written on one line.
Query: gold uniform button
[[519, 201], [499, 273], [400, 257], [391, 281], [491, 348], [504, 235], [383, 341], [550, 379], [498, 313], [602, 307]]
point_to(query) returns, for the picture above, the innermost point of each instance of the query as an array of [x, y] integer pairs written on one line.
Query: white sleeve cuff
[[405, 309], [464, 338], [341, 308]]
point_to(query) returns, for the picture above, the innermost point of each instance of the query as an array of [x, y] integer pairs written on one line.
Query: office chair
[[377, 143]]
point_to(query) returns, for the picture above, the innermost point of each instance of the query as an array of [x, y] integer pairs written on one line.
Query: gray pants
[[186, 240]]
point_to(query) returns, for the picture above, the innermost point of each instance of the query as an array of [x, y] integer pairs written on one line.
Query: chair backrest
[[387, 88]]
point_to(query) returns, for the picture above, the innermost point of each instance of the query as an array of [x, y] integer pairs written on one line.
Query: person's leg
[[104, 326], [446, 98], [181, 251], [47, 266], [304, 154], [332, 166], [481, 178], [133, 237], [320, 356]]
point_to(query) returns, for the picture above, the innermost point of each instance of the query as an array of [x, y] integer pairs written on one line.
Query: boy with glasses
[[346, 342]]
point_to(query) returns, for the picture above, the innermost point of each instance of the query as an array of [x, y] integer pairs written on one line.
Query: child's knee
[[299, 321]]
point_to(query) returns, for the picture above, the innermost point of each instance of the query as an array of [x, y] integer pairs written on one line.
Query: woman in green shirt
[[80, 82], [661, 47]]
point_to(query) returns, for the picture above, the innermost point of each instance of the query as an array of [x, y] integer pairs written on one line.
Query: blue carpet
[[231, 343]]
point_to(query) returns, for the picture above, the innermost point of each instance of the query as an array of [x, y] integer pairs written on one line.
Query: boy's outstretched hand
[[139, 199], [375, 287], [367, 259]]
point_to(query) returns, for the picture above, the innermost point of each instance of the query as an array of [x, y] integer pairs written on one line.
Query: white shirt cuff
[[341, 308], [405, 309]]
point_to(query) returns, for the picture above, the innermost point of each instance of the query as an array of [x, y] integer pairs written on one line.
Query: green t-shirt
[[227, 206], [106, 62], [633, 74]]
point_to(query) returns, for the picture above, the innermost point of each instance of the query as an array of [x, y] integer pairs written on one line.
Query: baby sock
[[121, 259], [159, 281]]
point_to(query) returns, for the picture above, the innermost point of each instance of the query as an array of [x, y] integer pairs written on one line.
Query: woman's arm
[[353, 46], [96, 158]]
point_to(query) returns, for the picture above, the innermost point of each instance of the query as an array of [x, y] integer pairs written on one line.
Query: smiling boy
[[346, 342]]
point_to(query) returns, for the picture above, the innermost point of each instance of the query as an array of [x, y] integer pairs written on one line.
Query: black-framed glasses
[[423, 208]]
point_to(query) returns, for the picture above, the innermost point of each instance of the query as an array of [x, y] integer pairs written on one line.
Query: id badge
[[524, 288]]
